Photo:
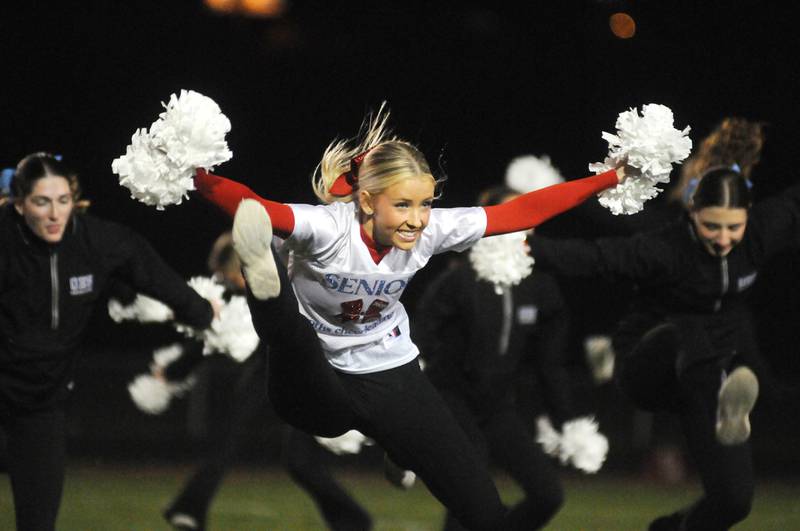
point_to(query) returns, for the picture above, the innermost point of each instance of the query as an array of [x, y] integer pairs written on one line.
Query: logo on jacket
[[742, 283], [80, 285]]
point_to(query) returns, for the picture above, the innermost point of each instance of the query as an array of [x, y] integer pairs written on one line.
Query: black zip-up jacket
[[475, 342], [678, 281], [48, 292]]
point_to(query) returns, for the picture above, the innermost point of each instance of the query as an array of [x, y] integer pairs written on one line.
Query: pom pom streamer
[[232, 332], [502, 260], [583, 445], [648, 144], [191, 131], [143, 309], [579, 444], [159, 164], [166, 355], [600, 357], [347, 443], [529, 172], [153, 395], [547, 436], [150, 175]]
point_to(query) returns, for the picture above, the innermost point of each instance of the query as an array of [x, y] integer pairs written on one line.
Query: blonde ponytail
[[337, 156]]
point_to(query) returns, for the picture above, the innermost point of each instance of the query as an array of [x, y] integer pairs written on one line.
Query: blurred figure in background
[[734, 141], [243, 400], [476, 339], [687, 344], [55, 264]]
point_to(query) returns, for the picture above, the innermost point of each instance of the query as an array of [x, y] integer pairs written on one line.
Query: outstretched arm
[[227, 195], [534, 208]]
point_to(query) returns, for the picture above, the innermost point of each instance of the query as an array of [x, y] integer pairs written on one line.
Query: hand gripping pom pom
[[347, 443], [648, 145], [159, 164], [502, 260]]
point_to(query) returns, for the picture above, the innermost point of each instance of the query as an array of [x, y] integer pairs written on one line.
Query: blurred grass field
[[115, 498]]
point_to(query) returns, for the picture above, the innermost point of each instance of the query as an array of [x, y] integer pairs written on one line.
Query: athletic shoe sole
[[182, 521], [252, 236], [737, 397]]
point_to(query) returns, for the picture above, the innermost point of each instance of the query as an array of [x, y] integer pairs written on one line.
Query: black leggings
[[503, 437], [36, 455], [248, 398], [649, 375], [307, 463], [305, 459], [398, 408]]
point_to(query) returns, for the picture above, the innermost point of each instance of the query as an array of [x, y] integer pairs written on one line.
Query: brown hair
[[733, 141]]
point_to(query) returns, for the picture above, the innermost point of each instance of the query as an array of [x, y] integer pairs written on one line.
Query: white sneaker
[[737, 396], [252, 236]]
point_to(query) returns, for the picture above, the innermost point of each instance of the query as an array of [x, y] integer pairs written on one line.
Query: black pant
[[247, 400], [398, 408], [501, 435], [649, 374], [36, 456], [307, 464]]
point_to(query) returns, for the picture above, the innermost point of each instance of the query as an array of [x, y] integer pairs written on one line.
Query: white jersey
[[352, 302]]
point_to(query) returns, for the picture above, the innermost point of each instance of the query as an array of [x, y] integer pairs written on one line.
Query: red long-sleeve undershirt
[[524, 212], [227, 195], [534, 208]]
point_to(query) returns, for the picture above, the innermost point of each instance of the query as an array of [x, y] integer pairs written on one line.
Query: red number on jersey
[[351, 310]]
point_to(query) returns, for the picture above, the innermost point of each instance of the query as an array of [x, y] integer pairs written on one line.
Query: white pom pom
[[600, 357], [211, 290], [143, 309], [191, 131], [165, 355], [407, 479], [582, 445], [150, 394], [347, 443], [159, 165], [528, 173], [233, 332], [648, 143], [547, 436], [119, 313], [502, 260], [150, 175], [207, 287]]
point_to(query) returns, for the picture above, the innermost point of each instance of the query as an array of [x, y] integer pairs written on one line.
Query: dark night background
[[475, 83]]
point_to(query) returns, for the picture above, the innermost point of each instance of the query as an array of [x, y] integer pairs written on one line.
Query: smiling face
[[720, 228], [397, 216], [47, 208]]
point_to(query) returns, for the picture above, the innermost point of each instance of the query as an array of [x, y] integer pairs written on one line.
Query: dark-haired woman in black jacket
[[687, 344], [54, 266]]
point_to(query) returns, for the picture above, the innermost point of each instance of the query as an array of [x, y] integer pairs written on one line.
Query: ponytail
[[337, 158]]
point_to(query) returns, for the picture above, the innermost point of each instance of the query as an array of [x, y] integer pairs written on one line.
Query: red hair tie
[[343, 185]]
